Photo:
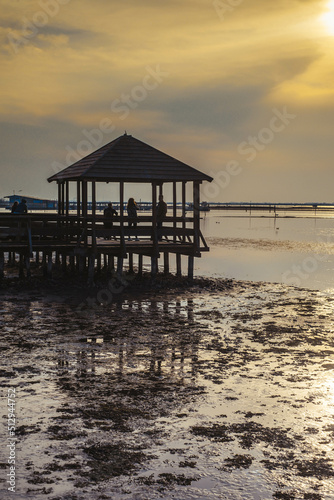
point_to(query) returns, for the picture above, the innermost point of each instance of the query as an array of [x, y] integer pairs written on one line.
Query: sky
[[239, 89]]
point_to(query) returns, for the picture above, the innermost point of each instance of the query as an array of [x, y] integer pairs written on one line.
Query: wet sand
[[219, 389]]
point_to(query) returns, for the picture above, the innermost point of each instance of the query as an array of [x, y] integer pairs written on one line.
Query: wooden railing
[[71, 229]]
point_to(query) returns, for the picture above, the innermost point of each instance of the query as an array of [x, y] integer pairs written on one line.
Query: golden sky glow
[[194, 78]]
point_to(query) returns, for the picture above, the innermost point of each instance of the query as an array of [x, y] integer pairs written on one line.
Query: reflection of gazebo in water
[[128, 160]]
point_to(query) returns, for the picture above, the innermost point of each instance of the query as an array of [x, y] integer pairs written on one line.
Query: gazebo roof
[[130, 160]]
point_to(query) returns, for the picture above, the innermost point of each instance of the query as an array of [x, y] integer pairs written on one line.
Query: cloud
[[225, 76]]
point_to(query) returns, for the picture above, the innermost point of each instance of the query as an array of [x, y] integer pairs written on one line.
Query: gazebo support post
[[59, 197], [62, 209], [174, 210], [184, 211], [67, 208], [78, 209], [121, 217], [94, 215], [154, 218], [196, 216], [85, 211]]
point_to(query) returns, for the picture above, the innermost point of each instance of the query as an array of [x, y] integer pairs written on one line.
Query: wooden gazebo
[[80, 238], [128, 160]]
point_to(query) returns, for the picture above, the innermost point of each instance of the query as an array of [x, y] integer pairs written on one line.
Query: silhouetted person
[[109, 213], [161, 214], [14, 206], [21, 208], [132, 214]]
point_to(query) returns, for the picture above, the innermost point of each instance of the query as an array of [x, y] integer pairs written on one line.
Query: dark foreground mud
[[168, 390]]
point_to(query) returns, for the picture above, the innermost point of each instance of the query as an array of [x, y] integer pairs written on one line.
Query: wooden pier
[[81, 242]]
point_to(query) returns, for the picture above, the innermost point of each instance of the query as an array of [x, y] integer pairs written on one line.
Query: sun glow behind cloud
[[328, 18], [225, 76]]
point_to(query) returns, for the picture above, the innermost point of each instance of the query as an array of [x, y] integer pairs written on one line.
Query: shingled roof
[[130, 160]]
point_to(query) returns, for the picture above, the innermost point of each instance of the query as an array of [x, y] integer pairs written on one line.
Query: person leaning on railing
[[109, 212], [21, 208]]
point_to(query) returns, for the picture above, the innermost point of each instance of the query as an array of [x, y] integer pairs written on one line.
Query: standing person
[[132, 214], [108, 214], [14, 206], [161, 214], [21, 207]]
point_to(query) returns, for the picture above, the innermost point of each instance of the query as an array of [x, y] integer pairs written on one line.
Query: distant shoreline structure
[[44, 204]]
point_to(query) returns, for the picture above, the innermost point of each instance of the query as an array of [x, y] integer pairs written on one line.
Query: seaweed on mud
[[22, 430], [213, 431], [317, 467], [320, 468], [7, 374], [60, 433], [285, 495], [37, 478], [248, 434], [118, 413], [166, 480], [188, 463], [291, 495], [238, 462], [110, 460]]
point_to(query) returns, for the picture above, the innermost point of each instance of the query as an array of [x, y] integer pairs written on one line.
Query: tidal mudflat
[[219, 390]]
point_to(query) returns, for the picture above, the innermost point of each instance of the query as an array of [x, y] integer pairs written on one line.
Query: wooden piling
[[49, 266], [2, 265], [64, 262], [21, 266], [166, 262], [27, 265], [154, 265], [130, 262], [111, 263], [91, 265], [191, 267], [98, 263], [178, 265], [140, 264], [120, 260]]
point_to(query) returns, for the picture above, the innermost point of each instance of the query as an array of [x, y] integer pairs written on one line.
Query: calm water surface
[[285, 249]]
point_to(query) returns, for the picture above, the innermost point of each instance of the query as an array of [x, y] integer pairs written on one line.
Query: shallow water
[[290, 248], [186, 395]]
